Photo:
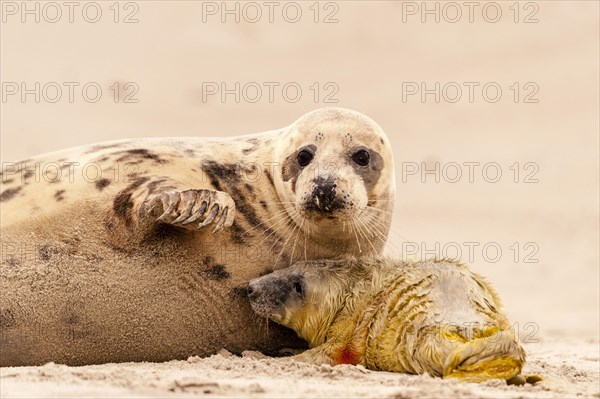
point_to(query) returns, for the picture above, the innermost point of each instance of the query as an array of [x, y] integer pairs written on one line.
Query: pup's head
[[306, 297]]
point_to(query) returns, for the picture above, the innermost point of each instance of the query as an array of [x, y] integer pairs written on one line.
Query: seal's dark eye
[[298, 287], [361, 157], [304, 157]]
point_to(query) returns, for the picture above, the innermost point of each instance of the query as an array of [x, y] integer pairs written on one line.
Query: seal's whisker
[[364, 229], [377, 209], [380, 235], [289, 222], [275, 216], [360, 231], [285, 243], [373, 222], [356, 236], [286, 228], [295, 233], [373, 219], [278, 214], [305, 241], [267, 326], [273, 202], [374, 236], [380, 228], [283, 220], [395, 232], [263, 326], [392, 229], [296, 240]]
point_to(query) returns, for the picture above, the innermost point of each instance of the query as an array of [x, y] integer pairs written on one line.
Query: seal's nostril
[[250, 291]]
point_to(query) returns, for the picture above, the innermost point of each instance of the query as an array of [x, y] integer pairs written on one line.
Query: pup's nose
[[324, 195], [252, 290]]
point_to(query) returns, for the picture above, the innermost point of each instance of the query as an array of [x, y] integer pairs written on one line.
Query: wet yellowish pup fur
[[142, 249], [432, 317]]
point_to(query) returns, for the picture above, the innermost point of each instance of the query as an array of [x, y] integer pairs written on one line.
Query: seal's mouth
[[265, 310], [266, 298], [324, 198], [340, 214], [261, 308]]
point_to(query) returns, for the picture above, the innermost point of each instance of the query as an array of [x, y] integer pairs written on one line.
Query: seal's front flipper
[[191, 209], [316, 355]]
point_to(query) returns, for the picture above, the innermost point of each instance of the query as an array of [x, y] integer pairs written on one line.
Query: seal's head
[[336, 168], [308, 296]]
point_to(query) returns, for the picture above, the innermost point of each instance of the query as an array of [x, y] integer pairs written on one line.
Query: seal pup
[[434, 317], [141, 250]]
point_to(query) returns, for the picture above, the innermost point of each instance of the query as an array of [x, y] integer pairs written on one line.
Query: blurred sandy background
[[369, 55]]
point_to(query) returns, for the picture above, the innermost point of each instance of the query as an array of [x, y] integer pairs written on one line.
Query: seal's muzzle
[[324, 197], [270, 294]]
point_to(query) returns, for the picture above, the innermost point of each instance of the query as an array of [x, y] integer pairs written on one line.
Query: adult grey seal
[[140, 250]]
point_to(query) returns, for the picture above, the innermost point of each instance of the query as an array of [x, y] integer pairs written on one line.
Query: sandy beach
[[570, 370], [514, 189]]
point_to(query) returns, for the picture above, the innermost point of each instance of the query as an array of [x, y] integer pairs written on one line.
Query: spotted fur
[[101, 251]]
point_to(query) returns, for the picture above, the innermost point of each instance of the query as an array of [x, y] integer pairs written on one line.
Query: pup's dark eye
[[304, 157], [361, 157], [298, 287]]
